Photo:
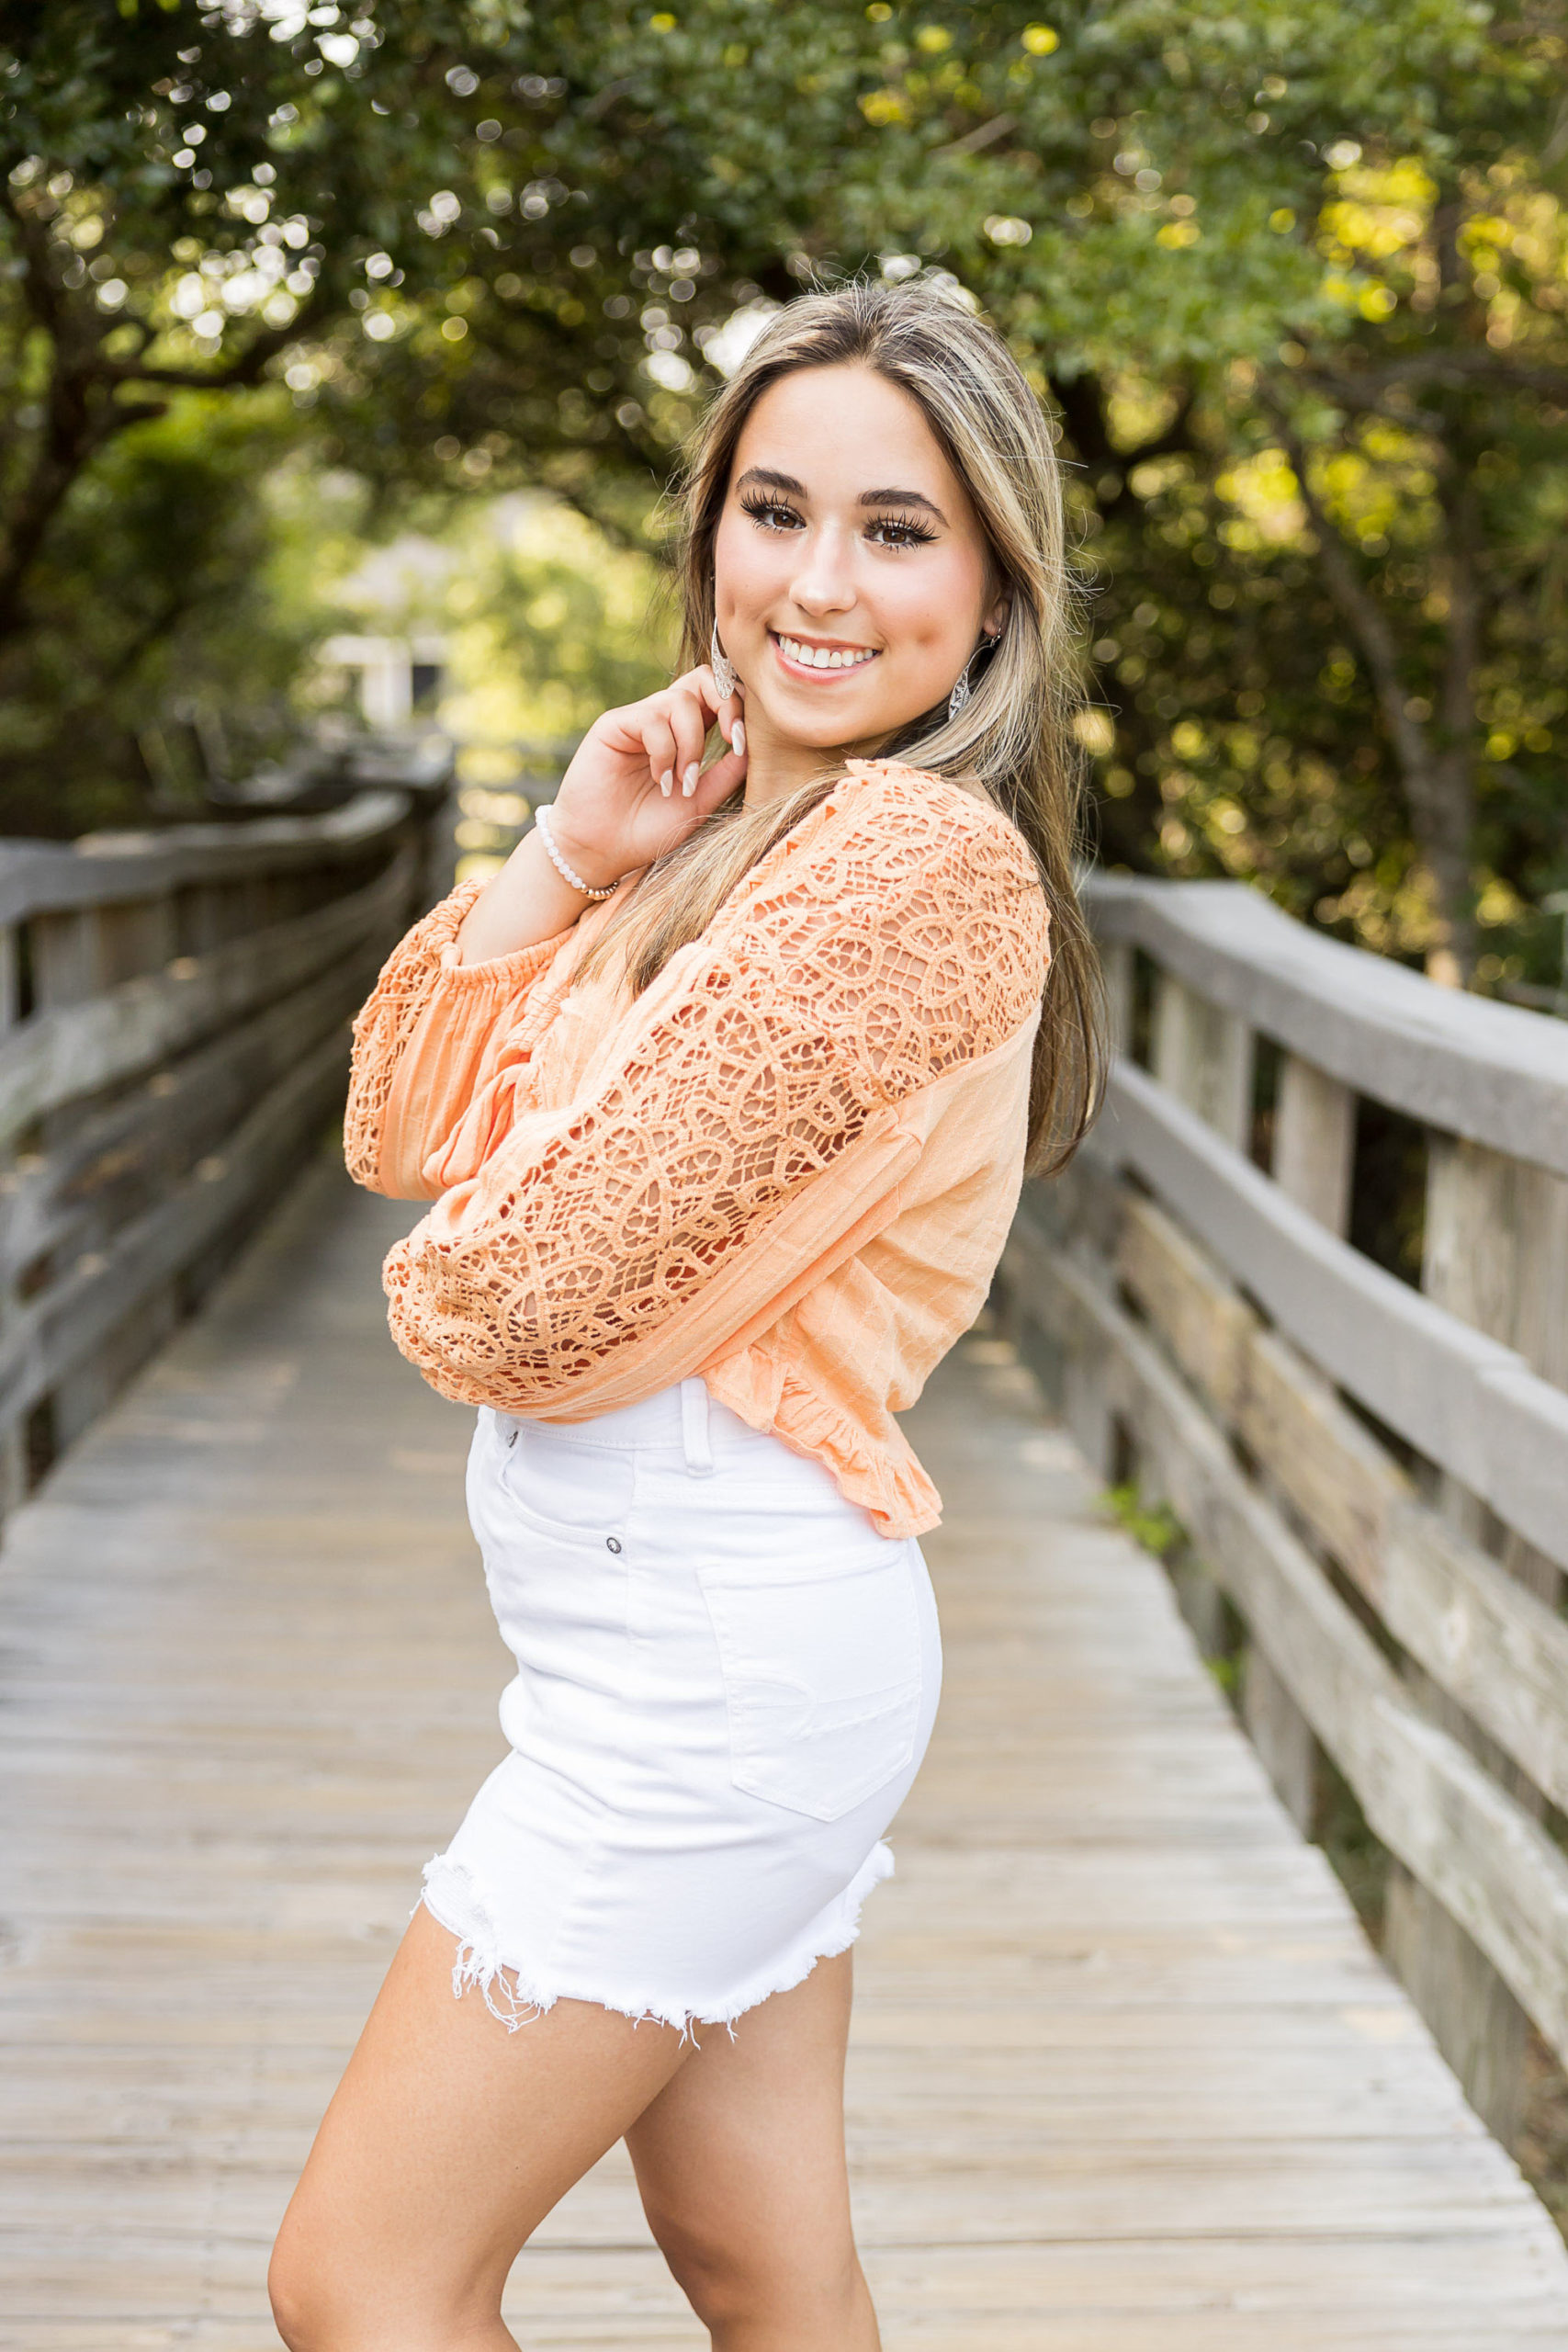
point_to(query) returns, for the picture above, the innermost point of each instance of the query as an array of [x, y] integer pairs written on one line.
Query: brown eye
[[901, 531]]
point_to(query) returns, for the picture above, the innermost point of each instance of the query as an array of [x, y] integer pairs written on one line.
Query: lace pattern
[[385, 1022], [906, 936]]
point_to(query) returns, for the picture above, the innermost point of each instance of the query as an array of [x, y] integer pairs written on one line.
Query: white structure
[[398, 675]]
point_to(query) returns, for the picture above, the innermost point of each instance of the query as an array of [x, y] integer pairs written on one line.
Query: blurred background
[[346, 358], [347, 355]]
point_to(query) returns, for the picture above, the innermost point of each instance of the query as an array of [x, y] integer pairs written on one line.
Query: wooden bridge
[[1127, 2073]]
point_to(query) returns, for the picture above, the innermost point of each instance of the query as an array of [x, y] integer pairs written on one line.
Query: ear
[[996, 619]]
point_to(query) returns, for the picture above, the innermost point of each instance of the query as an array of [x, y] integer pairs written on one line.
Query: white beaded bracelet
[[566, 872]]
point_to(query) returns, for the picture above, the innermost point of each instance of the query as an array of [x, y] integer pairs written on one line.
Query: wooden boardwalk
[[1126, 2078]]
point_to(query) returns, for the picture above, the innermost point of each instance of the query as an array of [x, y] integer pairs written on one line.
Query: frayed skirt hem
[[516, 1995]]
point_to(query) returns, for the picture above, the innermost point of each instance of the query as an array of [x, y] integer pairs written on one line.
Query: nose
[[822, 582]]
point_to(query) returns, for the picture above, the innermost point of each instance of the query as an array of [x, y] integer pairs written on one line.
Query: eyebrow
[[769, 478]]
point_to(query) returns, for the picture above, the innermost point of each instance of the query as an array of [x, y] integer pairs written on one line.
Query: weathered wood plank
[[89, 1041], [1124, 2072], [1491, 1073], [1490, 1863], [1460, 1398], [1500, 1652], [109, 870]]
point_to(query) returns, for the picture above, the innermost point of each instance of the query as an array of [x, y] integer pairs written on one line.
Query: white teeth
[[821, 657]]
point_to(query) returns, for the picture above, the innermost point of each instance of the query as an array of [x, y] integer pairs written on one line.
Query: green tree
[[1292, 279]]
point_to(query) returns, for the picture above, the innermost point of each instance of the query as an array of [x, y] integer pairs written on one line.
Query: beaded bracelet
[[566, 872]]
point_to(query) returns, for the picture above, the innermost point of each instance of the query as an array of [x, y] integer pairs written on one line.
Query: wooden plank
[[152, 1137], [106, 869], [95, 1040], [1492, 1866], [1500, 1652], [1204, 1054], [1314, 1142], [1124, 2072], [52, 1334], [1458, 1396], [1466, 1064]]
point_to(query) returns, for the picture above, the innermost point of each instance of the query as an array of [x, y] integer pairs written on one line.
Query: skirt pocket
[[822, 1677]]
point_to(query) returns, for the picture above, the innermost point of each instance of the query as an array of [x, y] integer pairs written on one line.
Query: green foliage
[[1153, 1525], [1294, 277]]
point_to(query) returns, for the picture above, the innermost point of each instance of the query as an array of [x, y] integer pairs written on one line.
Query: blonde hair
[[1013, 738]]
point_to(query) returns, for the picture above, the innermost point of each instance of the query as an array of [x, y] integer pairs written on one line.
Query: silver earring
[[963, 690], [724, 675]]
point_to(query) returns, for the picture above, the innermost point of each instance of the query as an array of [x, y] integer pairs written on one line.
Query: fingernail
[[689, 781], [737, 737], [665, 781]]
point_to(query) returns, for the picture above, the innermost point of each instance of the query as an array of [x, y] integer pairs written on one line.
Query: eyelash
[[915, 534]]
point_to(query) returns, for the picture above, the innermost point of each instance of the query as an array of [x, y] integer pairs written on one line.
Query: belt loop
[[695, 1425]]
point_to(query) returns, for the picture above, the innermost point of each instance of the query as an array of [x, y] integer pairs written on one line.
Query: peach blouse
[[788, 1165]]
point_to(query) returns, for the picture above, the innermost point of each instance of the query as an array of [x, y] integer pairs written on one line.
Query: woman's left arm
[[422, 1037], [747, 1074]]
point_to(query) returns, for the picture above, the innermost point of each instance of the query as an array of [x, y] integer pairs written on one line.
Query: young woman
[[723, 1091]]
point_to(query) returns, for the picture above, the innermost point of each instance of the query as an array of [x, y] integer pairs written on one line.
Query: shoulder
[[912, 911], [931, 837]]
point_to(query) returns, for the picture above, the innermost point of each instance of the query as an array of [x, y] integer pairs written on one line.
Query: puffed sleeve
[[432, 1034], [745, 1130]]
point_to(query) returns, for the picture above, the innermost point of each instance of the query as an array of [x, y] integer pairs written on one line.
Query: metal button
[[612, 1543]]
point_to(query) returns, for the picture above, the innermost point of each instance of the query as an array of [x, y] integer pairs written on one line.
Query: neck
[[777, 765]]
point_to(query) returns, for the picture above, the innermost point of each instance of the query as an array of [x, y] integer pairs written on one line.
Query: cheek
[[746, 565], [930, 608]]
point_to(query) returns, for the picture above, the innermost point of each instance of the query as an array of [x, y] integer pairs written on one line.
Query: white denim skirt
[[726, 1682]]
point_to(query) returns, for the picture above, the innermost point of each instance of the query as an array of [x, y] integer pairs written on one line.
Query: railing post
[[1116, 965], [1204, 1055], [1495, 1253], [1314, 1137]]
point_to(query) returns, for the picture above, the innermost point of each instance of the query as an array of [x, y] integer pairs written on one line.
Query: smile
[[799, 655]]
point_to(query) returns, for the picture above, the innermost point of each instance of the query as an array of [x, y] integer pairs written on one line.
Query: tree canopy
[[1293, 279]]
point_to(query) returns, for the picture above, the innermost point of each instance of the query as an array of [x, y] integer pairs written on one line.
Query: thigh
[[448, 2141], [740, 2158]]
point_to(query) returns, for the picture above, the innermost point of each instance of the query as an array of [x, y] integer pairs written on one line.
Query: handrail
[[174, 1038], [1494, 1073], [1372, 1476], [107, 868]]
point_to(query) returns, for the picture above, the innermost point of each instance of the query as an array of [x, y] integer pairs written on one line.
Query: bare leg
[[740, 2162], [446, 2144]]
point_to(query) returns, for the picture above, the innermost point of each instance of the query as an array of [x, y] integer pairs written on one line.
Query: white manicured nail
[[665, 781], [689, 781], [737, 738]]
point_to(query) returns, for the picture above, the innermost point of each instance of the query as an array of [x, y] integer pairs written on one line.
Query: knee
[[732, 2286], [311, 2306], [296, 2310], [316, 2306]]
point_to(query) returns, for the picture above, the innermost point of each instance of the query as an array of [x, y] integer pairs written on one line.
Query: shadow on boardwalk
[[1125, 2074]]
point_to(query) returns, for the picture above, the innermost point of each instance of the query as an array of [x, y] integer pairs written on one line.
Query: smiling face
[[850, 572]]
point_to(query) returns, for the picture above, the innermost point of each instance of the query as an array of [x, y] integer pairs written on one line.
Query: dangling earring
[[724, 676], [963, 690]]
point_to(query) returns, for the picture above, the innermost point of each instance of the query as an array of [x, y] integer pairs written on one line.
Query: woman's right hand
[[636, 785]]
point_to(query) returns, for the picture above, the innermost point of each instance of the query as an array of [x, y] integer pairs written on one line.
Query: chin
[[824, 729]]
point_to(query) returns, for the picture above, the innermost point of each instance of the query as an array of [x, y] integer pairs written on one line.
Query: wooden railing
[[174, 1037], [1366, 1462]]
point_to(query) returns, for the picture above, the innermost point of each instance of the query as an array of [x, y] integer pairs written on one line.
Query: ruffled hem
[[516, 1995], [894, 1489]]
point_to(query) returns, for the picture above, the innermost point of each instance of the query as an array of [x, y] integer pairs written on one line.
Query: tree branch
[[1357, 606], [1368, 387], [1081, 401]]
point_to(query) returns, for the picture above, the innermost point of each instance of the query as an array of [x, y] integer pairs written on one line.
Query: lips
[[822, 659]]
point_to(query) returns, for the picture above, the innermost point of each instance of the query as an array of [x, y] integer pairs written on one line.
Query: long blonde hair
[[1013, 738]]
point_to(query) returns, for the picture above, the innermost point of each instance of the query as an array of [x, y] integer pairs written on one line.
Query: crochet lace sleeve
[[421, 1040], [756, 1060]]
